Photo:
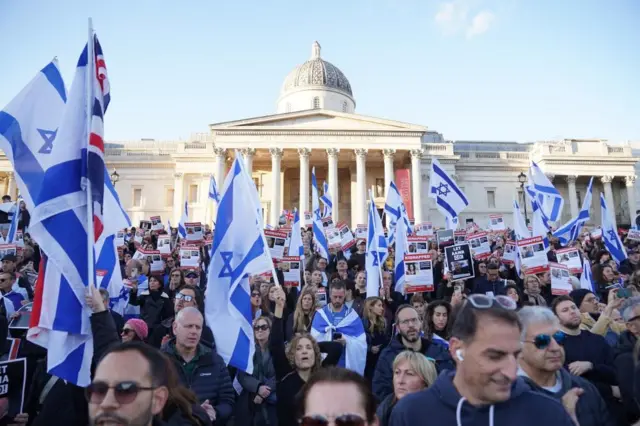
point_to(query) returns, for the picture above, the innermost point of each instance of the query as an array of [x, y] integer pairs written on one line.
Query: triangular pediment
[[318, 119]]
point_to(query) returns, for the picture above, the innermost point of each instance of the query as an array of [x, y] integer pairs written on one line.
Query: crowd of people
[[496, 349]]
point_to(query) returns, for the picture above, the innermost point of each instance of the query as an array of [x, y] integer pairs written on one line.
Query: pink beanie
[[140, 327]]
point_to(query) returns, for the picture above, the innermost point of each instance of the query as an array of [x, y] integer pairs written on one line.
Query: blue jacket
[[438, 405], [383, 375], [483, 286]]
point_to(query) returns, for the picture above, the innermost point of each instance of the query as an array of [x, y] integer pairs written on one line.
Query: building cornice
[[314, 132]]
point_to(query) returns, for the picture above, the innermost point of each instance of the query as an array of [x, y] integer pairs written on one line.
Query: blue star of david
[[227, 270], [612, 235], [48, 136], [443, 189]]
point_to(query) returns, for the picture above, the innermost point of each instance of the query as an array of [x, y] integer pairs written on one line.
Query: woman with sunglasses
[[412, 372], [256, 403], [256, 302], [134, 330], [295, 363]]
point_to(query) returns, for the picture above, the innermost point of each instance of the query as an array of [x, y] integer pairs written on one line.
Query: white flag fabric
[[182, 228], [326, 201], [610, 236], [586, 279], [519, 225], [319, 238], [547, 196], [401, 249], [450, 200], [296, 248], [570, 231], [377, 250], [394, 209]]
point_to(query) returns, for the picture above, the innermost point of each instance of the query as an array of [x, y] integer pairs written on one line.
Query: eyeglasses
[[184, 297], [124, 392], [480, 301], [188, 277], [342, 420], [409, 321], [255, 294], [633, 318], [542, 341], [127, 331], [263, 327]]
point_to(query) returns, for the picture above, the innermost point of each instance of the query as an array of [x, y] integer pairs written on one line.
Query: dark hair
[[338, 285], [467, 319], [156, 359], [340, 376], [350, 285], [558, 300], [197, 292], [429, 327], [492, 266], [400, 309], [11, 274]]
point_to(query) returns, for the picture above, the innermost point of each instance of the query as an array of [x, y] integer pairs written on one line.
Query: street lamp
[[115, 177], [522, 178]]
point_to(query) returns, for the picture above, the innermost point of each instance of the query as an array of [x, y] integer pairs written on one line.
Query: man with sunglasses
[[541, 362], [485, 388]]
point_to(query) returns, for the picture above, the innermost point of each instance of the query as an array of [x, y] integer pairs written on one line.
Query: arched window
[[316, 103], [288, 106], [344, 106]]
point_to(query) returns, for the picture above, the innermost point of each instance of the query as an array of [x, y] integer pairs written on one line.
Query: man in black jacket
[[623, 356], [200, 369]]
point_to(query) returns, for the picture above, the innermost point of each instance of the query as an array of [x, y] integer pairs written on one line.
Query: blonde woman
[[412, 372], [377, 330], [300, 321]]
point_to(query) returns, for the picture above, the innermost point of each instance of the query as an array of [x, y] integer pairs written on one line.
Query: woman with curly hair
[[295, 363], [300, 321], [377, 330]]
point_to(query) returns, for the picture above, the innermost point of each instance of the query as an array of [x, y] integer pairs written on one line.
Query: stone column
[[5, 180], [573, 196], [416, 184], [630, 181], [361, 185], [221, 166], [388, 155], [248, 154], [178, 198], [332, 153], [608, 195], [304, 182], [276, 185], [11, 186]]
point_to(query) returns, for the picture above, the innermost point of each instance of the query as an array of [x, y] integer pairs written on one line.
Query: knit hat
[[140, 328], [579, 295]]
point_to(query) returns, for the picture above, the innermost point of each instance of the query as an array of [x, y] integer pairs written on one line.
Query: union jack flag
[[289, 215]]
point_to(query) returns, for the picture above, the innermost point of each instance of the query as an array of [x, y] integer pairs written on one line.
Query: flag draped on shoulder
[[570, 231], [450, 200], [319, 237], [377, 250], [610, 236], [326, 201], [239, 250], [547, 196], [352, 330]]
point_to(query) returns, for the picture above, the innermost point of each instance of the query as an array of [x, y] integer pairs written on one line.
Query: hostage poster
[[12, 386]]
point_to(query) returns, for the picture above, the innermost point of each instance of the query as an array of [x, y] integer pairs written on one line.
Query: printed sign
[[8, 249], [560, 284], [479, 243], [119, 239], [327, 222], [634, 234], [496, 222], [189, 257], [459, 236], [13, 379], [533, 255], [334, 240], [194, 231], [347, 240], [596, 234], [418, 273], [570, 257], [510, 253], [308, 219], [459, 262], [290, 266], [137, 239], [164, 245], [361, 232], [145, 225], [417, 244], [424, 228], [156, 223], [275, 242], [445, 238]]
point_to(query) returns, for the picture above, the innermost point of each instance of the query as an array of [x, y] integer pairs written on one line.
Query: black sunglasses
[[263, 327], [127, 331], [124, 392], [343, 420], [255, 294], [542, 341]]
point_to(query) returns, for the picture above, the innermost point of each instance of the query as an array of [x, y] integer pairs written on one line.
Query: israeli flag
[[519, 225], [586, 278], [182, 229], [13, 227], [570, 231], [450, 200], [394, 209], [319, 237], [352, 330], [326, 201], [547, 196], [296, 248], [609, 235], [213, 190], [239, 250], [377, 249], [401, 249]]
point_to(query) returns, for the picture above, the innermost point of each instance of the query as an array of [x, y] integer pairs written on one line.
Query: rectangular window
[[137, 197], [379, 187], [193, 193], [168, 201], [491, 199]]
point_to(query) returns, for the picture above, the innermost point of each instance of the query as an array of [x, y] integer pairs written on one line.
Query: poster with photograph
[[290, 266], [321, 297], [195, 232], [361, 232], [444, 238], [156, 263], [145, 225], [119, 239], [275, 242], [327, 222], [164, 245], [156, 223], [560, 284], [137, 239], [533, 255], [334, 240], [459, 236], [418, 273], [459, 262], [596, 233], [189, 257], [21, 322], [479, 243], [634, 234], [8, 249], [308, 219], [496, 222], [510, 253], [417, 244], [570, 257], [13, 380], [424, 228], [347, 239], [19, 240]]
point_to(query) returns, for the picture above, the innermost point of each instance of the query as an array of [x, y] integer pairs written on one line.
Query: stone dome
[[316, 73]]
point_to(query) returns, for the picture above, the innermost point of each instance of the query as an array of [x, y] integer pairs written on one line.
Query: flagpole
[[89, 116]]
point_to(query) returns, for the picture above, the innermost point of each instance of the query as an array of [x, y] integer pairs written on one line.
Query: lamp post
[[522, 178], [115, 177]]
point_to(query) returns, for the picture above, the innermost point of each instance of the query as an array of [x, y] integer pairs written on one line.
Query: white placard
[[275, 242], [479, 244], [361, 232], [533, 255], [156, 223], [8, 249], [164, 245], [570, 257], [634, 234], [496, 222], [119, 239], [510, 253], [418, 273], [459, 237], [137, 239], [424, 228], [189, 257], [596, 234], [347, 240], [334, 240], [327, 222], [560, 284], [194, 231], [308, 219], [290, 266], [417, 244]]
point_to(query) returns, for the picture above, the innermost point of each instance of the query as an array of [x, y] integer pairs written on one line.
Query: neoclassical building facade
[[316, 126]]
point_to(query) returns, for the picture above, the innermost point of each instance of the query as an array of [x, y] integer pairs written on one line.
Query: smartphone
[[623, 293], [336, 336]]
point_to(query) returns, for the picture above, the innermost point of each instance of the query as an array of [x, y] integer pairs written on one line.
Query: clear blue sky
[[471, 69]]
